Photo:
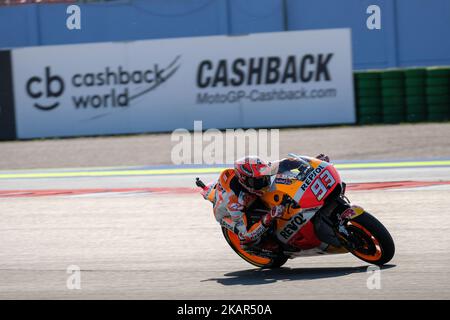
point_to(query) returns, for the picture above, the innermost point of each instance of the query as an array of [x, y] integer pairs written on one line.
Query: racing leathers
[[232, 200]]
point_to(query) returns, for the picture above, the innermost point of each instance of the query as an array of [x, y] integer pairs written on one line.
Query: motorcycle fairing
[[292, 223], [310, 190]]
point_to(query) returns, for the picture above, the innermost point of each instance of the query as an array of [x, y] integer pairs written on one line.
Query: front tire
[[261, 262], [376, 245]]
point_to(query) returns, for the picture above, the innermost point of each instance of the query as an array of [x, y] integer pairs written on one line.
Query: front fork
[[343, 218], [340, 212]]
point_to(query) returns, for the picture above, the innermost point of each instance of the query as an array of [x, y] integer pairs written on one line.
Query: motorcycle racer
[[237, 189]]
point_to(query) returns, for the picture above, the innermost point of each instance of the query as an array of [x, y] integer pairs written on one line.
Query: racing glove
[[275, 212], [253, 236]]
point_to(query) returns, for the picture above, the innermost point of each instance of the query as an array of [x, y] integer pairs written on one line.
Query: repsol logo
[[110, 87], [293, 226], [310, 178], [264, 70]]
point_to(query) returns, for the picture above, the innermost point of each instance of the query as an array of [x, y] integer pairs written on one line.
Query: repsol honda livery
[[317, 219]]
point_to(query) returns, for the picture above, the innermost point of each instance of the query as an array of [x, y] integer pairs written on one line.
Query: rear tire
[[261, 262], [379, 246]]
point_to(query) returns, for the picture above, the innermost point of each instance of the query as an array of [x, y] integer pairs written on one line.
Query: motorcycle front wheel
[[373, 242], [258, 261]]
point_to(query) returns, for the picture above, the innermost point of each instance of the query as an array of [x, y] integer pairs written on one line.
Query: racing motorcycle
[[317, 219]]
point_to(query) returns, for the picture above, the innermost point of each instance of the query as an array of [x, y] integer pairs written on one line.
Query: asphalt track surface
[[150, 236], [374, 142]]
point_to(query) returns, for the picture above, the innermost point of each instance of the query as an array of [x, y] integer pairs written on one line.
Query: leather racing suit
[[232, 200]]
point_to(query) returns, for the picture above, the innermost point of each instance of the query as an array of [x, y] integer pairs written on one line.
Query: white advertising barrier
[[259, 80]]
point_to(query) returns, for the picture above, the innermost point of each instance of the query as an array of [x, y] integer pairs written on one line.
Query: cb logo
[[49, 87]]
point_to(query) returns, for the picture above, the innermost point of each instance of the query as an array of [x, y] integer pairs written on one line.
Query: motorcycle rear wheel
[[258, 261], [377, 244]]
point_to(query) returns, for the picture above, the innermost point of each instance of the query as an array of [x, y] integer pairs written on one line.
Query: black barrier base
[[7, 114]]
